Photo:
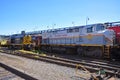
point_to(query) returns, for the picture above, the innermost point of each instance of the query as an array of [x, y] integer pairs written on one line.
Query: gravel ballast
[[38, 69]]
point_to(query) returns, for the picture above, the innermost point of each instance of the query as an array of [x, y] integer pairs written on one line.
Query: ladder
[[106, 51]]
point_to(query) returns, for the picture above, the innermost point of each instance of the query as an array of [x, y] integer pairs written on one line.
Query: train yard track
[[7, 72], [91, 66]]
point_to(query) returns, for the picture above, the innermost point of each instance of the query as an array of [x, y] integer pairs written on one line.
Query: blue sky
[[34, 15]]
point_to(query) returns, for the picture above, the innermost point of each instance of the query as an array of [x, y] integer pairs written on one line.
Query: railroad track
[[92, 66], [5, 75], [7, 72]]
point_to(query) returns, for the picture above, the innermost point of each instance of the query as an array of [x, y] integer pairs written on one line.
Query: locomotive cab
[[100, 35], [95, 28]]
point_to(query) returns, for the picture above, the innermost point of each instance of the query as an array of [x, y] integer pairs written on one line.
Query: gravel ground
[[6, 75], [40, 70]]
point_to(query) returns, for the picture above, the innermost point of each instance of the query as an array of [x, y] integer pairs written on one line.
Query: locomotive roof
[[16, 36], [60, 29]]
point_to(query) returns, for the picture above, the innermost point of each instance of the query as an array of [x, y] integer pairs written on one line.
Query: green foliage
[[38, 51]]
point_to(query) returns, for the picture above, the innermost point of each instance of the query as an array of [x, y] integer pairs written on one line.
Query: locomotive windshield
[[90, 29], [100, 27]]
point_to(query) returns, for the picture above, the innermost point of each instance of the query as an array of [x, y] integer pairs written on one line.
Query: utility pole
[[73, 23], [54, 26], [87, 20]]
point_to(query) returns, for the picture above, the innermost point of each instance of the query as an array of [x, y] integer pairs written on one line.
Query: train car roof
[[16, 36], [58, 29]]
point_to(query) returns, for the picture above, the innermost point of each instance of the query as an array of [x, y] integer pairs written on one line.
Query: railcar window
[[73, 30], [100, 27], [54, 32], [76, 29], [69, 30], [89, 30]]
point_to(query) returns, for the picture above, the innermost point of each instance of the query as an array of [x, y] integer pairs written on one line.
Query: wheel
[[93, 52]]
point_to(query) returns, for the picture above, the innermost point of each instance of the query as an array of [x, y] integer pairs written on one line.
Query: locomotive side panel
[[90, 40], [81, 36]]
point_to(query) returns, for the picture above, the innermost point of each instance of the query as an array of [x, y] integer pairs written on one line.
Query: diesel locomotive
[[101, 40], [95, 40]]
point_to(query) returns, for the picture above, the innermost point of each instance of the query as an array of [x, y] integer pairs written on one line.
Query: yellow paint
[[84, 74], [27, 39], [91, 45], [95, 45], [89, 36], [107, 51], [36, 57], [42, 54], [28, 52], [3, 42]]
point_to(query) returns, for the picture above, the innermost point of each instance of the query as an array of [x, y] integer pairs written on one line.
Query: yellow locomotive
[[3, 43], [26, 42]]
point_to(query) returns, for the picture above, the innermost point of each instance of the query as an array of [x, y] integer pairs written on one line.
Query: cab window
[[76, 30], [69, 30], [100, 27], [90, 29]]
